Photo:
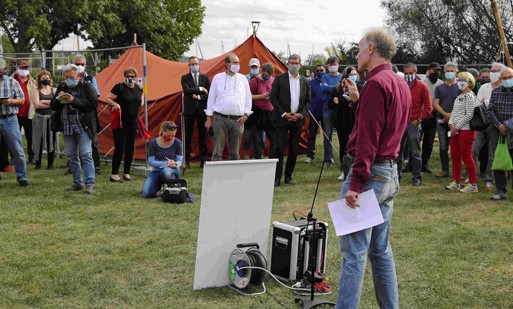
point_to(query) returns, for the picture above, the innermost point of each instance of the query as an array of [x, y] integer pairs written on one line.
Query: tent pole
[[501, 33], [145, 93]]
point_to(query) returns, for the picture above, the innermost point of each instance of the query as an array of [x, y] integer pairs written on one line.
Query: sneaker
[[75, 187], [489, 185], [442, 174], [416, 182], [498, 197], [97, 171], [89, 189], [308, 160], [469, 188], [246, 157], [453, 186], [466, 181], [23, 182], [342, 176], [8, 169], [328, 163]]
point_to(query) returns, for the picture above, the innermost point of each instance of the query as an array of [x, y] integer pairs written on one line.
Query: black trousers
[[287, 136], [124, 143], [26, 124], [428, 138], [202, 135], [4, 154]]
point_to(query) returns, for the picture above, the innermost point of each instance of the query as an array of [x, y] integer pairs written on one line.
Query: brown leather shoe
[[442, 175]]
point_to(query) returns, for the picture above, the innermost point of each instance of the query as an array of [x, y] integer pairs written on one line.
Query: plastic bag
[[502, 159]]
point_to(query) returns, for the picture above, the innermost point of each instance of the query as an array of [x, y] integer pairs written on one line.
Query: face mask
[[71, 83], [484, 80], [265, 78], [354, 78], [254, 72], [507, 83], [462, 85], [409, 78], [494, 76], [23, 73], [81, 69], [333, 69], [433, 77], [130, 80], [293, 69], [167, 138], [320, 75], [194, 68], [234, 68], [45, 82], [450, 75]]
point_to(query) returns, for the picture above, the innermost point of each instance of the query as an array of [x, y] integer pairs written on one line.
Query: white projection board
[[236, 205]]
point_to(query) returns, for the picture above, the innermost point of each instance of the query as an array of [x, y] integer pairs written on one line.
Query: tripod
[[311, 302]]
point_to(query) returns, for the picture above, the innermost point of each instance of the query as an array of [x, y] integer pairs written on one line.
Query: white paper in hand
[[347, 220]]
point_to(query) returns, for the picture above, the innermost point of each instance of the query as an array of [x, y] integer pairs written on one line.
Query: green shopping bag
[[502, 159]]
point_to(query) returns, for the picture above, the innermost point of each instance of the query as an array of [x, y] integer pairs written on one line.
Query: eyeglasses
[[173, 128], [130, 76], [80, 64], [320, 71], [23, 67]]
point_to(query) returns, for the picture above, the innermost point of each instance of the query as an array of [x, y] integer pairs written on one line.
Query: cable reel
[[240, 267]]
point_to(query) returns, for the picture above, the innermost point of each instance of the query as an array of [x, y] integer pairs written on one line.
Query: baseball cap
[[254, 61]]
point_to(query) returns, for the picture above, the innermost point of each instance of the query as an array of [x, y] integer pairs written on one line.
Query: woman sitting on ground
[[165, 156]]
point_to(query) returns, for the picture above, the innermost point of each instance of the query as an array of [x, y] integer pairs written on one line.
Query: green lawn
[[114, 249]]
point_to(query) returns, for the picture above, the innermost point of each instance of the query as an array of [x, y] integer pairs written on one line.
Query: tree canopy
[[440, 30], [168, 27]]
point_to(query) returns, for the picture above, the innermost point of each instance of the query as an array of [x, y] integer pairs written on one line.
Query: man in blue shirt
[[328, 82], [11, 96], [316, 108]]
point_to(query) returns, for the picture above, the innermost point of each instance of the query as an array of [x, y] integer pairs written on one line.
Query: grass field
[[116, 250]]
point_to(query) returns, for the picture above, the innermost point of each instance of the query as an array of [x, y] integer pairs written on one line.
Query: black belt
[[227, 116], [383, 161], [5, 116]]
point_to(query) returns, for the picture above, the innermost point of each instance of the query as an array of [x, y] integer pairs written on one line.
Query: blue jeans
[[80, 145], [328, 119], [372, 242], [445, 141], [156, 179], [10, 130]]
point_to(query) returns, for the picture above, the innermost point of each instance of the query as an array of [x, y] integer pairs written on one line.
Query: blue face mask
[[450, 75], [320, 75], [409, 78], [234, 68], [71, 83], [265, 78], [254, 72], [354, 78], [507, 83]]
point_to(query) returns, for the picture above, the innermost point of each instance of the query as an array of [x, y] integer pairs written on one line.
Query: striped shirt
[[463, 110], [158, 155], [500, 107], [9, 88]]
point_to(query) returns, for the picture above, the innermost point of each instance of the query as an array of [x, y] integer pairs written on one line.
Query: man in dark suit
[[290, 97], [195, 87]]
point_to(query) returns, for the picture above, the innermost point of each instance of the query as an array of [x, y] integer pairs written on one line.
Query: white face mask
[[81, 69], [462, 85], [23, 73], [494, 76], [333, 68]]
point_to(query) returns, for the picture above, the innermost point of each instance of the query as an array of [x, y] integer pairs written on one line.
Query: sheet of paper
[[347, 220]]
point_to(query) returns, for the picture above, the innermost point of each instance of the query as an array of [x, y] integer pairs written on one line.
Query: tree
[[440, 30], [345, 51], [168, 27]]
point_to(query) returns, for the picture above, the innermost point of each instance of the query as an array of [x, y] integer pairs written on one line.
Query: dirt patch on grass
[[32, 228]]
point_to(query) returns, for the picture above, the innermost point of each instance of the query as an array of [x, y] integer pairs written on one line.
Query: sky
[[304, 25]]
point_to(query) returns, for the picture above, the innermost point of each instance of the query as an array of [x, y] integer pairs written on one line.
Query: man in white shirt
[[228, 107], [483, 136]]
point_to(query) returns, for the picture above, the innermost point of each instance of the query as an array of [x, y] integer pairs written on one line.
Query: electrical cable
[[276, 300]]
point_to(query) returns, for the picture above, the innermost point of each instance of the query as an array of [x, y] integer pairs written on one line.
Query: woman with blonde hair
[[42, 136], [165, 156], [462, 137]]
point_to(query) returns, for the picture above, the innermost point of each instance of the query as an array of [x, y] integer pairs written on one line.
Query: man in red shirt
[[26, 111], [382, 113], [420, 110]]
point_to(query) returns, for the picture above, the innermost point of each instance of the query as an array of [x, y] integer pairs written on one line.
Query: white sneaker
[[342, 176], [308, 160], [489, 185], [466, 181], [469, 188]]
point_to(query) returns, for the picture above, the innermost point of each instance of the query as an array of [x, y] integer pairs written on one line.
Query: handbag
[[115, 119], [479, 120], [502, 159], [175, 191]]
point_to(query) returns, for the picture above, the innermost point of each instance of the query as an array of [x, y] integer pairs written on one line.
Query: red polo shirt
[[23, 110], [382, 113]]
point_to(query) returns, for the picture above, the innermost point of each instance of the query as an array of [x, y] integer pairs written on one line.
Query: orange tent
[[164, 90]]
